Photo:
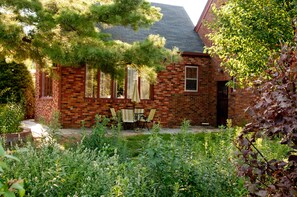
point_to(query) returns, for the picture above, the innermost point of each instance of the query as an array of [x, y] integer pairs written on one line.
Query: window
[[105, 85], [91, 83], [132, 78], [46, 85], [191, 79], [145, 88], [120, 88]]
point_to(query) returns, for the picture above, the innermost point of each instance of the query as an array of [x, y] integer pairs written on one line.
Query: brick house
[[185, 90], [237, 99]]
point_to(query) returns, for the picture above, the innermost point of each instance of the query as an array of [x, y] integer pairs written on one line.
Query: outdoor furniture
[[114, 117], [128, 118], [146, 120], [138, 114]]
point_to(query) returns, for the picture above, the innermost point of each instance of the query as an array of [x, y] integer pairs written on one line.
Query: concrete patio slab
[[39, 130]]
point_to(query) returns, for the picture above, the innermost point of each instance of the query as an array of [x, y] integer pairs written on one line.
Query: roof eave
[[194, 54]]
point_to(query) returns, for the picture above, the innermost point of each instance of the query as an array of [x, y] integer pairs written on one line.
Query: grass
[[135, 144]]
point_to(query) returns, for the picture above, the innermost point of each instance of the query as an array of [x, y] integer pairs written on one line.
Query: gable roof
[[175, 26]]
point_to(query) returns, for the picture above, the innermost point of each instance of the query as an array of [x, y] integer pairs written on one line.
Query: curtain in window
[[91, 83], [132, 77], [105, 85], [144, 88]]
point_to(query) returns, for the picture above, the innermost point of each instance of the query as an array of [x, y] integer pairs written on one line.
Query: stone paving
[[39, 130]]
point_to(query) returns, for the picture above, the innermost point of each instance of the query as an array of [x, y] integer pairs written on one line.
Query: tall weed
[[100, 138], [186, 167], [50, 171]]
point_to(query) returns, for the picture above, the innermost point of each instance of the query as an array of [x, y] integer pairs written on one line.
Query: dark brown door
[[222, 103]]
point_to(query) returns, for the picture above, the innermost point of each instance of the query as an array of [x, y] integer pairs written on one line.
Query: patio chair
[[114, 117], [128, 118], [148, 119]]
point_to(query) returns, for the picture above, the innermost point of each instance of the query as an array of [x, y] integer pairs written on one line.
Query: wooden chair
[[128, 118], [149, 119], [114, 117]]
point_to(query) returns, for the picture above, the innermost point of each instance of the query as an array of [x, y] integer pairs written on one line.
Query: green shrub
[[8, 186], [18, 80], [11, 115], [183, 164], [52, 171], [99, 138], [191, 166]]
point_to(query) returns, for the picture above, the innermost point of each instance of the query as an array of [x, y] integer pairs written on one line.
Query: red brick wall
[[238, 100], [172, 103], [45, 106]]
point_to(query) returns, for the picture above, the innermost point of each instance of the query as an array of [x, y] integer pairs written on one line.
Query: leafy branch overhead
[[246, 33], [72, 33]]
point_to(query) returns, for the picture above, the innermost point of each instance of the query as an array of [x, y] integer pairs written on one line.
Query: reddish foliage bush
[[274, 115]]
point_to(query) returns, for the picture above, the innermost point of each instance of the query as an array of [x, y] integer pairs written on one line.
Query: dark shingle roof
[[175, 26]]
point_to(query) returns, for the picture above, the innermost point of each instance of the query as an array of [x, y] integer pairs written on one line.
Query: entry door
[[222, 103]]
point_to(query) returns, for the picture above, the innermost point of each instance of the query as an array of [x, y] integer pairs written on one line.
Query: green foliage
[[190, 165], [72, 33], [11, 115], [183, 164], [17, 81], [9, 187], [50, 171], [246, 33], [101, 140]]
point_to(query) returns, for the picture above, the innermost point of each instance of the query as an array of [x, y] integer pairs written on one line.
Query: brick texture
[[46, 106], [238, 100], [173, 104]]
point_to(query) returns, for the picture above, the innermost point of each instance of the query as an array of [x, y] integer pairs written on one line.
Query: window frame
[[197, 78], [46, 85]]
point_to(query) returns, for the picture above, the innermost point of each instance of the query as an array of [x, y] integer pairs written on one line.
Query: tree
[[246, 33], [274, 116], [18, 83], [71, 33]]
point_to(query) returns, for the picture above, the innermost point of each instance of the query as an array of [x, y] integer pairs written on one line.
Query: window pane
[[46, 85], [91, 83], [105, 85], [191, 84], [191, 78], [144, 89], [120, 89], [191, 72], [132, 78]]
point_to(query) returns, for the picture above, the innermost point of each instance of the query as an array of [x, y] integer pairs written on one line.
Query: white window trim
[[191, 78]]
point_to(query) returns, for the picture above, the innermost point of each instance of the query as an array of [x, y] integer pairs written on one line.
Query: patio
[[39, 130]]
